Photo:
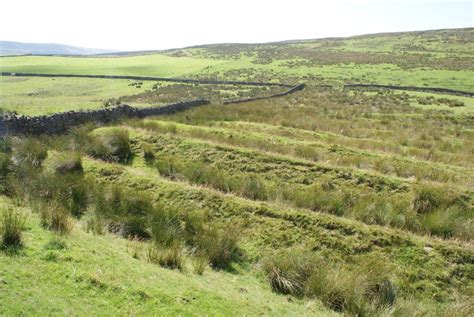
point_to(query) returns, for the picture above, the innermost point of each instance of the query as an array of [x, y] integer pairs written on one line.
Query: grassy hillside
[[84, 274], [434, 58], [322, 202]]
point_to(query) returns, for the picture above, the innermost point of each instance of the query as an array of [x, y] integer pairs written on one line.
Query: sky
[[147, 24]]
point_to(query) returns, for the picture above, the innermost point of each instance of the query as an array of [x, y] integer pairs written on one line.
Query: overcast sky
[[142, 24]]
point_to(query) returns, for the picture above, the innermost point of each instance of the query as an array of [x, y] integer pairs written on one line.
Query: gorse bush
[[112, 144], [11, 226]]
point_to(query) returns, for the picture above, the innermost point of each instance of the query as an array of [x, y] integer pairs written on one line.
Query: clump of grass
[[169, 257], [220, 246], [55, 243], [289, 270], [200, 263], [12, 224], [111, 145], [123, 211], [28, 151], [55, 218], [68, 163], [70, 191], [428, 198], [165, 227], [360, 289], [148, 153]]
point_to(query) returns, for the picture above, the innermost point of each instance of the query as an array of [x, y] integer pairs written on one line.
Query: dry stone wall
[[61, 122]]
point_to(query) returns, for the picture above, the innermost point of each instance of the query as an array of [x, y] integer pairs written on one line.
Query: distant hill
[[18, 48]]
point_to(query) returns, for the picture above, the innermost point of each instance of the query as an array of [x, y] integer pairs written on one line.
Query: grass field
[[326, 202]]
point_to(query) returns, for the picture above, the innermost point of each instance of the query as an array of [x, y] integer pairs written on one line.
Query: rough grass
[[87, 274]]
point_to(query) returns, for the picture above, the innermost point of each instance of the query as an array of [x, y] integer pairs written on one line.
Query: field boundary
[[281, 94], [147, 78], [60, 122], [413, 88]]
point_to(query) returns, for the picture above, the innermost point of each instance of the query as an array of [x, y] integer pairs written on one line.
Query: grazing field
[[325, 202], [431, 58]]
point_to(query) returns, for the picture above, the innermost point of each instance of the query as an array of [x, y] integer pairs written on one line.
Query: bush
[[112, 145], [12, 224]]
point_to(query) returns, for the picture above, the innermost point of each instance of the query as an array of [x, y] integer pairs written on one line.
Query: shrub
[[28, 151], [12, 224], [112, 145]]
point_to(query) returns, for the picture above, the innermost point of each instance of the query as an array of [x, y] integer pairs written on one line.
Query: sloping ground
[[425, 267], [440, 59], [84, 274]]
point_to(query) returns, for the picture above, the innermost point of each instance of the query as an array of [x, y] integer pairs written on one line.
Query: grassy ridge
[[84, 274], [269, 227]]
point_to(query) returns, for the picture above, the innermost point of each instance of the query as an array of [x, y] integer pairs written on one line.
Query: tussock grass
[[28, 151], [12, 223], [55, 218], [359, 290], [170, 257], [66, 163], [111, 144]]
